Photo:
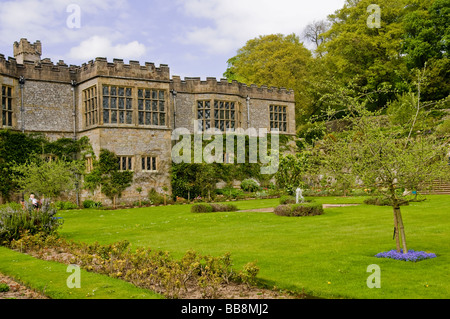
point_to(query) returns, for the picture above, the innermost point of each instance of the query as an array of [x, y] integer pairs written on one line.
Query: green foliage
[[213, 208], [18, 150], [61, 205], [444, 128], [155, 198], [379, 201], [402, 110], [88, 203], [15, 149], [14, 221], [4, 287], [106, 175], [46, 178], [250, 185], [274, 60], [292, 171], [285, 200], [190, 180], [146, 268], [224, 207], [299, 210], [201, 208]]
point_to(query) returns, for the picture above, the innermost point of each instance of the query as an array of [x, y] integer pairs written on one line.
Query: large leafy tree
[[274, 60], [367, 57], [426, 43]]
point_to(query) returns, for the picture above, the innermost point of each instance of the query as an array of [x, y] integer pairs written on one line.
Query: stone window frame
[[152, 107], [89, 164], [125, 162], [7, 100], [90, 103], [278, 117], [149, 161], [224, 115], [117, 112]]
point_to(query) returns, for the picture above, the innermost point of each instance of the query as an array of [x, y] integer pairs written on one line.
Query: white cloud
[[45, 20], [233, 22], [97, 46]]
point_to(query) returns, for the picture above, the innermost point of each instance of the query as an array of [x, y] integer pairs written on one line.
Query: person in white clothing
[[34, 201]]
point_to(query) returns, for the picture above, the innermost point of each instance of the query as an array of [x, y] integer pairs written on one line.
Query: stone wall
[[136, 143], [190, 90], [49, 106]]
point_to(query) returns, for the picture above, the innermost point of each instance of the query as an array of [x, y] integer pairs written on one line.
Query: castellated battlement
[[223, 86], [26, 51], [27, 62], [46, 70], [117, 68]]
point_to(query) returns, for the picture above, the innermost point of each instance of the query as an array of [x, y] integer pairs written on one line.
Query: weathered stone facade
[[130, 109]]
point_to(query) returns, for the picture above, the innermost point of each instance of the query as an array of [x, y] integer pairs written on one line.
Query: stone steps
[[437, 188]]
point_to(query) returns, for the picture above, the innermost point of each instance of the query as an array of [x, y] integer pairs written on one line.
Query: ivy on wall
[[17, 148], [190, 180]]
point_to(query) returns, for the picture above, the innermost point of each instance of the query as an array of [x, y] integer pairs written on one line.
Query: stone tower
[[25, 51]]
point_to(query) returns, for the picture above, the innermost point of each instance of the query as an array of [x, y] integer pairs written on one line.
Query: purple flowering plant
[[411, 255]]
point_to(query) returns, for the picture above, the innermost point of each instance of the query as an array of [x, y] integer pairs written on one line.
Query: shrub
[[4, 287], [213, 208], [16, 221], [223, 207], [283, 210], [249, 185], [285, 200], [146, 268], [155, 197], [380, 201], [91, 204], [201, 208], [61, 205], [230, 192], [299, 210]]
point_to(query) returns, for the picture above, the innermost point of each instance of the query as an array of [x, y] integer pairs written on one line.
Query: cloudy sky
[[194, 37]]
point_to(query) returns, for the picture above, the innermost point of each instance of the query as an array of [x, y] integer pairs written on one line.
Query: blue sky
[[194, 37]]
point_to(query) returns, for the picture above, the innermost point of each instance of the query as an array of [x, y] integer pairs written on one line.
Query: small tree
[[376, 155], [106, 174], [292, 171], [49, 179], [139, 190]]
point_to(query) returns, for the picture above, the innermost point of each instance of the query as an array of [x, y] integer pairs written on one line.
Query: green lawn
[[326, 255]]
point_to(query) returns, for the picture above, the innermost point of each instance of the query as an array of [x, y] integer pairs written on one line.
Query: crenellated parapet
[[223, 86], [46, 70], [43, 70], [100, 67]]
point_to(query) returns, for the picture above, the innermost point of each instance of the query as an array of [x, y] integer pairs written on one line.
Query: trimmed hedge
[[213, 208], [299, 210], [286, 200], [380, 201]]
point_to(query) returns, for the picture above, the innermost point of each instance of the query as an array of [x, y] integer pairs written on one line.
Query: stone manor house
[[130, 109]]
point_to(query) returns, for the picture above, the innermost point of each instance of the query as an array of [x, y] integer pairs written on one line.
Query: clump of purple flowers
[[411, 255]]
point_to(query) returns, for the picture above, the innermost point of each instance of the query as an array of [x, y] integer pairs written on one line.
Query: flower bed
[[411, 255]]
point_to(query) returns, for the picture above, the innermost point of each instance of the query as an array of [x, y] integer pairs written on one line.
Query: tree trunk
[[402, 230], [397, 238]]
